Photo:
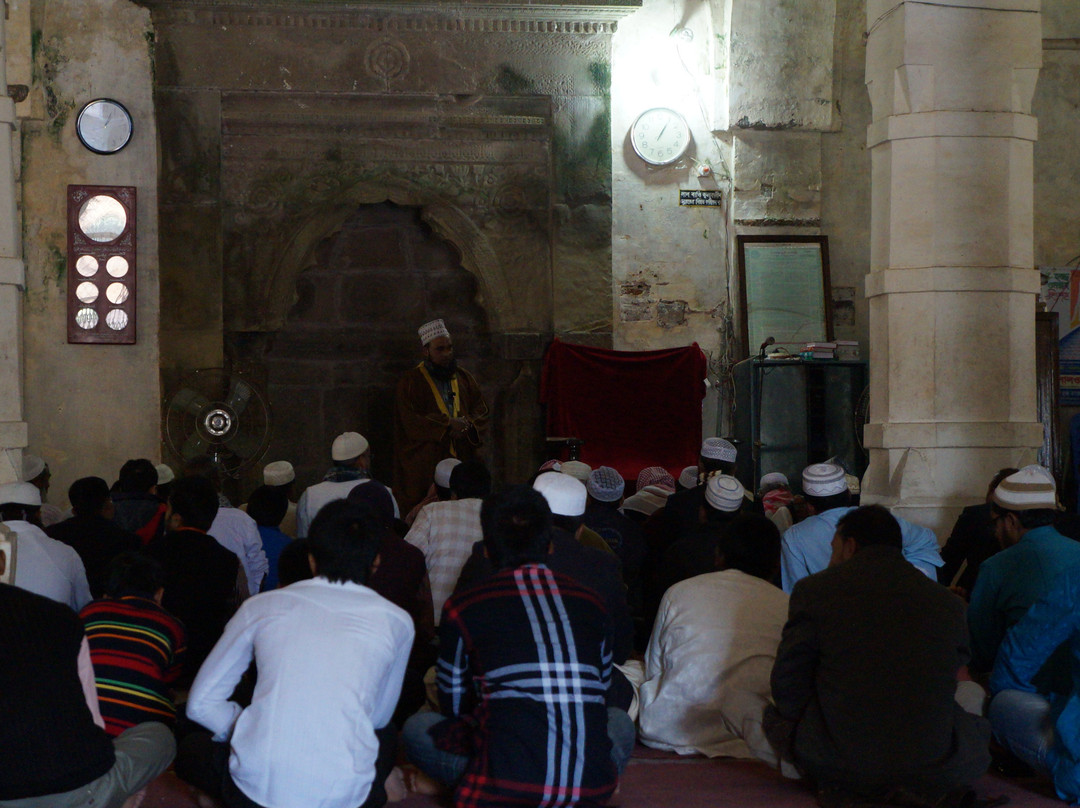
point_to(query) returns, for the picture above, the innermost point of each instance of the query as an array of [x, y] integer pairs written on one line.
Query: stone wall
[[89, 407]]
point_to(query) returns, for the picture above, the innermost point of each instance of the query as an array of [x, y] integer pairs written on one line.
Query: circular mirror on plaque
[[86, 265], [116, 319], [102, 218], [117, 266], [86, 292], [86, 318], [116, 293]]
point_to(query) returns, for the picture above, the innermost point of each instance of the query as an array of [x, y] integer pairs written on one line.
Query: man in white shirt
[[712, 648], [351, 454], [330, 655], [40, 564], [445, 532]]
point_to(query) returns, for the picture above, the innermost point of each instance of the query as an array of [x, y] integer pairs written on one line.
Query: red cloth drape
[[633, 409]]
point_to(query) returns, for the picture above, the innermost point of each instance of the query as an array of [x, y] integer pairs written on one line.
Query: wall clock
[[660, 136], [104, 126]]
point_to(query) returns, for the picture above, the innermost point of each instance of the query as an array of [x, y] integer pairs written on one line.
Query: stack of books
[[819, 350]]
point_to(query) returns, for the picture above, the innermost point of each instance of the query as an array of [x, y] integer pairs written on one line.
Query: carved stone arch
[[447, 220]]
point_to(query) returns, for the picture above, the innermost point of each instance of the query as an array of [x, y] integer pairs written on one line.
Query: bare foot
[[395, 786]]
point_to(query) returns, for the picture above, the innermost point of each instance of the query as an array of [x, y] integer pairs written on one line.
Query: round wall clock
[[104, 126], [660, 136]]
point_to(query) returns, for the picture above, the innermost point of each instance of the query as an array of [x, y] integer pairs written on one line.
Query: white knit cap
[[689, 477], [432, 330], [32, 466], [605, 484], [565, 495], [280, 472], [773, 478], [577, 469], [724, 493], [718, 449], [165, 474], [348, 445], [443, 469], [823, 480], [1031, 488], [20, 494]]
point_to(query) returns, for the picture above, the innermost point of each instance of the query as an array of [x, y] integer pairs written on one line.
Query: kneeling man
[[330, 655], [865, 676]]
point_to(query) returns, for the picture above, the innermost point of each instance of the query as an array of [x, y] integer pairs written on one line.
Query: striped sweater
[[137, 649]]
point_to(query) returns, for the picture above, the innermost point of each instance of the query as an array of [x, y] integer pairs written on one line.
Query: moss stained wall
[[88, 407]]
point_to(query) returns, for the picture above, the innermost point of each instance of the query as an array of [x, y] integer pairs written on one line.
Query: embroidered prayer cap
[[724, 493], [718, 449], [655, 475], [432, 330], [688, 478], [1031, 488], [772, 478], [853, 484], [20, 494], [165, 474], [442, 471], [32, 466], [550, 465], [280, 472], [577, 469], [605, 484], [348, 445], [565, 495], [823, 480]]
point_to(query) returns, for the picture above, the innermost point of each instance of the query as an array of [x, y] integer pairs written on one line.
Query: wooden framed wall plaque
[[784, 290], [101, 264]]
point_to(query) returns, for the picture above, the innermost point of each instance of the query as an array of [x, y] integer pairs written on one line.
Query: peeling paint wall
[[89, 407]]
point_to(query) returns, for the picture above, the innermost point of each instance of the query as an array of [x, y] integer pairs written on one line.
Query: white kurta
[[714, 639]]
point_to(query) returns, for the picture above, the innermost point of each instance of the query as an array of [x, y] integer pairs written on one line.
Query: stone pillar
[[12, 427], [952, 286]]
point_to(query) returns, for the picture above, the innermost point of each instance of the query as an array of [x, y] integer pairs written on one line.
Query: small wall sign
[[703, 199]]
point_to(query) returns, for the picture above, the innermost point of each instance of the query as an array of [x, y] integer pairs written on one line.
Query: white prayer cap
[[1031, 488], [773, 478], [20, 494], [165, 474], [718, 449], [442, 471], [656, 475], [348, 445], [32, 466], [280, 472], [648, 500], [823, 480], [724, 493], [577, 469], [565, 495], [689, 477], [432, 330], [605, 484]]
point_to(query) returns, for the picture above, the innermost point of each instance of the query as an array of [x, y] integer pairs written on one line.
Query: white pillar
[[952, 286], [12, 427]]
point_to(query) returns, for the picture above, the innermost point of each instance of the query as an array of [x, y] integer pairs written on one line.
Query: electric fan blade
[[189, 401], [240, 393], [243, 446], [193, 446]]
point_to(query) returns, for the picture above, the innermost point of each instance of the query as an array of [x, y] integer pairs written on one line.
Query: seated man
[[804, 547], [623, 535], [55, 752], [1042, 730], [280, 476], [92, 532], [971, 542], [438, 491], [137, 508], [137, 647], [40, 564], [351, 455], [714, 642], [1023, 508], [524, 663], [36, 472], [864, 683], [268, 505], [330, 655]]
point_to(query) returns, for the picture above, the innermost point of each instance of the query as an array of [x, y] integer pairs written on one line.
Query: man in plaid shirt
[[525, 660]]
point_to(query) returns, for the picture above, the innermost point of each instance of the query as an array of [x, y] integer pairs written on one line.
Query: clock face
[[660, 136], [104, 126]]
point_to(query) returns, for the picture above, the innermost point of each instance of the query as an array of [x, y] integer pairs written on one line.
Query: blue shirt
[[274, 542], [807, 547], [1008, 583]]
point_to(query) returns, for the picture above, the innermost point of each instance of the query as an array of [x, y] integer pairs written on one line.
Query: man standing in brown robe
[[439, 412]]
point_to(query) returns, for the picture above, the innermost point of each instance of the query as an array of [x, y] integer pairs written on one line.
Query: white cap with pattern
[[432, 330], [823, 480], [605, 484], [724, 493], [1031, 488], [719, 449]]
